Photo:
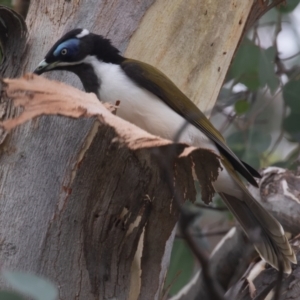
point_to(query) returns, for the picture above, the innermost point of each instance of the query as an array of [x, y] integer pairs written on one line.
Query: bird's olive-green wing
[[160, 85]]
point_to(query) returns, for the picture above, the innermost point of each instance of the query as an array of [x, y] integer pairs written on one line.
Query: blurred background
[[258, 112]]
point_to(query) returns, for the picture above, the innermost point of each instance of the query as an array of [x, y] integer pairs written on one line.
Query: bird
[[151, 101]]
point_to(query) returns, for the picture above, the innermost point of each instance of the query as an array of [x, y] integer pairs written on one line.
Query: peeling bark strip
[[111, 192]]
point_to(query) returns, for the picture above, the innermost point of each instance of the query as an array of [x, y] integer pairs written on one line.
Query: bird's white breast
[[150, 113], [141, 107]]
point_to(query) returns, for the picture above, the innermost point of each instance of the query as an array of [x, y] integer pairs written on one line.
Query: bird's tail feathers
[[263, 229]]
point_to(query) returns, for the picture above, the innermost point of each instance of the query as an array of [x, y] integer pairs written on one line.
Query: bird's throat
[[88, 77]]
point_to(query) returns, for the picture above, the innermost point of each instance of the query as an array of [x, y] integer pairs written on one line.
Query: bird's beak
[[44, 67]]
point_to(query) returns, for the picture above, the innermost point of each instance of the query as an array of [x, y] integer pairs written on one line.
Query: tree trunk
[[76, 205]]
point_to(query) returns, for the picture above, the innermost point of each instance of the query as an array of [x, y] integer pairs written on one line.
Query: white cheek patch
[[88, 59], [62, 64], [83, 33]]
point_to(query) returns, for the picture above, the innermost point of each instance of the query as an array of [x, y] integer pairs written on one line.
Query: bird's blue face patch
[[67, 48]]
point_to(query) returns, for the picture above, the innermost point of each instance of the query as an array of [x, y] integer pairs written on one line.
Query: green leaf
[[288, 6], [254, 66], [290, 162], [292, 159], [260, 140], [241, 107], [236, 142], [250, 80], [244, 67], [280, 164], [246, 59], [266, 72], [5, 295], [252, 159], [291, 95], [6, 3], [31, 285], [181, 266], [291, 125]]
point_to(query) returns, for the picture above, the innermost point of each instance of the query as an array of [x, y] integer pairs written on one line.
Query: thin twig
[[211, 207], [211, 233], [290, 57], [205, 234], [278, 29]]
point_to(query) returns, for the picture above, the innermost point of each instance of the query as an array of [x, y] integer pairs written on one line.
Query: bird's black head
[[71, 52]]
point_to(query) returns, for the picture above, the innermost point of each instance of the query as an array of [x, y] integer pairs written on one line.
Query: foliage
[[261, 124], [179, 273], [258, 109], [6, 2]]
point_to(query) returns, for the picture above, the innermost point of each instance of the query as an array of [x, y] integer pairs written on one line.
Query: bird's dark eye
[[64, 51], [68, 48]]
